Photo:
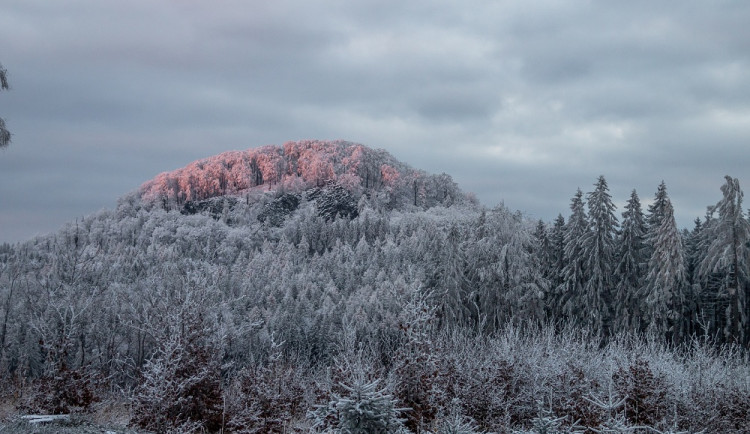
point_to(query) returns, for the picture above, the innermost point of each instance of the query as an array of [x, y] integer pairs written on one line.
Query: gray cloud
[[521, 102]]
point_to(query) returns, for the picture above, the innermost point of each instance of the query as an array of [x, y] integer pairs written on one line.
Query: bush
[[265, 399], [61, 391], [181, 390], [645, 394]]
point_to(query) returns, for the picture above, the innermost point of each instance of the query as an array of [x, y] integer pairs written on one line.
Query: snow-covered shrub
[[415, 369], [734, 410], [181, 389], [61, 391], [645, 394], [546, 422], [265, 399], [455, 422], [488, 385], [572, 388]]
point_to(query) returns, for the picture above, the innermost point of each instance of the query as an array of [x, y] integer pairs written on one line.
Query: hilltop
[[300, 166]]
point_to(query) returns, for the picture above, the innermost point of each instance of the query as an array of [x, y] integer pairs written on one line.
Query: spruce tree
[[574, 275], [694, 307], [655, 216], [544, 251], [666, 279], [363, 409], [630, 271], [656, 209], [557, 248], [728, 254], [599, 256], [556, 239]]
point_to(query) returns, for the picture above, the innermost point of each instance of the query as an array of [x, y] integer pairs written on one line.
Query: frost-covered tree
[[508, 282], [630, 271], [574, 274], [728, 253], [666, 279], [696, 314], [598, 251], [655, 216], [556, 257], [4, 133], [364, 408], [545, 249]]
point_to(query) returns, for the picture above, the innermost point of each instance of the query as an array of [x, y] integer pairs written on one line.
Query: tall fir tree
[[693, 255], [727, 253], [544, 252], [629, 274], [666, 279], [574, 275], [655, 216], [599, 248], [694, 306], [656, 209], [556, 239]]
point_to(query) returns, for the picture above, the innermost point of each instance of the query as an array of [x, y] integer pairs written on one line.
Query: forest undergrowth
[[524, 378]]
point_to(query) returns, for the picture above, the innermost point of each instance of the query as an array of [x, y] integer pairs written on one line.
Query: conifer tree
[[694, 307], [599, 256], [630, 271], [728, 254], [557, 249], [364, 409], [556, 257], [666, 279], [655, 216], [574, 274], [545, 249], [693, 255]]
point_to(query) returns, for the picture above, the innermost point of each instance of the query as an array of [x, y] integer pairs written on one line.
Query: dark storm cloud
[[522, 102]]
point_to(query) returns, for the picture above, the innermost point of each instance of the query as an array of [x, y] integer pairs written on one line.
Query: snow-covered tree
[[666, 279], [598, 253], [557, 246], [655, 216], [728, 253], [364, 408], [544, 252], [629, 274], [575, 274]]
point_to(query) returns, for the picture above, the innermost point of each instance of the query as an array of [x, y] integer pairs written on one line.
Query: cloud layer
[[522, 102]]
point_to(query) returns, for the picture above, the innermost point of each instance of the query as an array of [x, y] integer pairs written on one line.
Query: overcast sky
[[521, 102]]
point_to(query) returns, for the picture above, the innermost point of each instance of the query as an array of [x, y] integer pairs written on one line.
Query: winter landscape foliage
[[326, 287]]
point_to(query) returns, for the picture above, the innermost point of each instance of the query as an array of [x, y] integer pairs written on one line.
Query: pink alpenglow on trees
[[298, 166]]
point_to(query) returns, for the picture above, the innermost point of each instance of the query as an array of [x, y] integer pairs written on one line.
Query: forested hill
[[267, 290]]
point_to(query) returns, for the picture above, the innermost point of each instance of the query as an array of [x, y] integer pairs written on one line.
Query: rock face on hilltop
[[337, 169]]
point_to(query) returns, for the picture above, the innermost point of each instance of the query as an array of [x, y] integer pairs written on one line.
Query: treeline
[[644, 274]]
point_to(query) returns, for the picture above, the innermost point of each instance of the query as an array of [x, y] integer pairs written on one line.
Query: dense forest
[[326, 287]]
